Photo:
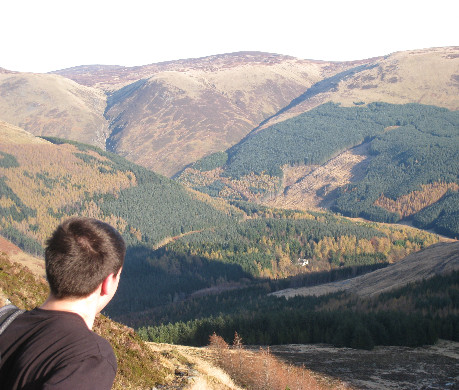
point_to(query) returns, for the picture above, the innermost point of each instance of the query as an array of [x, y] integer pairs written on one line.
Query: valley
[[309, 206], [339, 368]]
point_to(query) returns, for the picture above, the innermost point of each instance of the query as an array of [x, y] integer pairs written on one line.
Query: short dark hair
[[80, 254]]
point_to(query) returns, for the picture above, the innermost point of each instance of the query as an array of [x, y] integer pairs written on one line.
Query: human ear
[[109, 284]]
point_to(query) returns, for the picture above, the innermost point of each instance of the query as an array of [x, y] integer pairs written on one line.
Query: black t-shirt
[[54, 350]]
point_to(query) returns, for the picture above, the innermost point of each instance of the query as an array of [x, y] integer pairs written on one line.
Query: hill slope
[[186, 110], [42, 182], [406, 161], [53, 105], [167, 115], [178, 241], [411, 303], [163, 116], [438, 259], [428, 76]]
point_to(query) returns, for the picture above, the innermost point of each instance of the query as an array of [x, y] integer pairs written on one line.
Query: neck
[[84, 307]]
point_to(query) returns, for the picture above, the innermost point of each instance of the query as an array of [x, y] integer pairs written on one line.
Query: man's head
[[80, 254]]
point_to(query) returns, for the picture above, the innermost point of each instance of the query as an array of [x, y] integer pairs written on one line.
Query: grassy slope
[[177, 116], [51, 105], [426, 76]]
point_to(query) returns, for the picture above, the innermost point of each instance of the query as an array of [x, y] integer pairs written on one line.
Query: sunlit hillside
[[43, 182], [179, 241], [52, 105], [428, 76], [382, 162], [166, 116]]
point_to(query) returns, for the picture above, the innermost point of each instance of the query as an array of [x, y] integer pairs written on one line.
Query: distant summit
[[166, 116]]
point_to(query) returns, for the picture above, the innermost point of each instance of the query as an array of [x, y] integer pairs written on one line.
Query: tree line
[[429, 311]]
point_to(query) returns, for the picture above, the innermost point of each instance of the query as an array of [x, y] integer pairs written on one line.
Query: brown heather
[[45, 104], [260, 370]]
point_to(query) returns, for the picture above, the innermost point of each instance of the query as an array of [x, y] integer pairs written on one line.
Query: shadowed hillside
[[140, 365]]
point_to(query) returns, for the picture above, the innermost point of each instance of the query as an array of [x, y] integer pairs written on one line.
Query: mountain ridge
[[368, 85], [108, 74], [187, 109], [213, 106]]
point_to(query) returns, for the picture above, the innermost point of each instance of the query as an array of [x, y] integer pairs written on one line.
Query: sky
[[46, 35]]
